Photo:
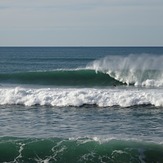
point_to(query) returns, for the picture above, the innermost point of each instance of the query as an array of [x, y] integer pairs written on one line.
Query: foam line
[[80, 96]]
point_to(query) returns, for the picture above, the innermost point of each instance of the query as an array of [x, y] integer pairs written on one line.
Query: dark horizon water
[[81, 104]]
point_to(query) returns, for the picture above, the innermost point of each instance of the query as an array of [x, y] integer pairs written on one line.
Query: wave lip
[[137, 69], [62, 97]]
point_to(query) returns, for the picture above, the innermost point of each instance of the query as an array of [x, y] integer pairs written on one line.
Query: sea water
[[81, 104]]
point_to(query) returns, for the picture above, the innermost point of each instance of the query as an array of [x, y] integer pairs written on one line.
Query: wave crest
[[144, 69]]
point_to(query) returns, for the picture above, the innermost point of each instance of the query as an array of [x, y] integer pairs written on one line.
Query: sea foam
[[81, 96], [137, 69]]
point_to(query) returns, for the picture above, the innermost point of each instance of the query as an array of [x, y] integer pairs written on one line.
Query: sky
[[81, 22]]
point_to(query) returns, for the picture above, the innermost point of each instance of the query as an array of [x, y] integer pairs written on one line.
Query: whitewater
[[78, 97], [140, 70]]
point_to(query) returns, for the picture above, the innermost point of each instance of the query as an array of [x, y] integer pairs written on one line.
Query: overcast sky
[[81, 22]]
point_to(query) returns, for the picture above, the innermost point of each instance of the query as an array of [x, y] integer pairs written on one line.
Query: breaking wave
[[142, 70], [139, 70], [62, 97]]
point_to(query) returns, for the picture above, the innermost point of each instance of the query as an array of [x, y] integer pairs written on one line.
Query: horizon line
[[81, 46]]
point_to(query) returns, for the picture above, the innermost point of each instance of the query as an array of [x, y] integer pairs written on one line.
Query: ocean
[[81, 104]]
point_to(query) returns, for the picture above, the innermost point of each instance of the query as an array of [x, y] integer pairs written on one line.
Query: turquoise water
[[79, 150], [81, 105], [81, 78]]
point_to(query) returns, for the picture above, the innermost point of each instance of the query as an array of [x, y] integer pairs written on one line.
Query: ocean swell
[[78, 150], [69, 77]]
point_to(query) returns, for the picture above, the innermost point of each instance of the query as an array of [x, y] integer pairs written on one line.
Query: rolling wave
[[76, 77], [78, 150], [136, 69]]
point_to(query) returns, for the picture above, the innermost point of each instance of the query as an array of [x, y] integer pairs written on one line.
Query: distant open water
[[81, 104]]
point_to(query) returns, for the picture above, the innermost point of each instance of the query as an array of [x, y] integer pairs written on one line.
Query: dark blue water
[[39, 58]]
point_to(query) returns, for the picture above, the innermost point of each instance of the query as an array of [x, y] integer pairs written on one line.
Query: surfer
[[114, 85]]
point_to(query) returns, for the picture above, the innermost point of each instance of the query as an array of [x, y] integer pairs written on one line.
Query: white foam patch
[[79, 96]]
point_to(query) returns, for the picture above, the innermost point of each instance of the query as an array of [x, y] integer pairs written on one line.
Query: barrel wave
[[139, 70], [78, 150], [78, 77]]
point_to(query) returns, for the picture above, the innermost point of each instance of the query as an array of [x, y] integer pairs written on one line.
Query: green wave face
[[78, 150], [61, 78]]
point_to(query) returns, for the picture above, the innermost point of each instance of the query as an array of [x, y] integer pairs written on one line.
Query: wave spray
[[137, 69]]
